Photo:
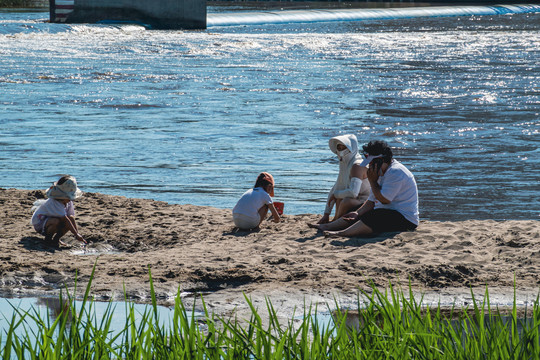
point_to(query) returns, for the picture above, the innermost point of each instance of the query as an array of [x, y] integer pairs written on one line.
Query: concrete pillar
[[159, 14]]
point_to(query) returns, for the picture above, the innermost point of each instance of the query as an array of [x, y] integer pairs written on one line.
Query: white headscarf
[[345, 162]]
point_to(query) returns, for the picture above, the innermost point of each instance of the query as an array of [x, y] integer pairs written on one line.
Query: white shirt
[[53, 208], [251, 202], [399, 187]]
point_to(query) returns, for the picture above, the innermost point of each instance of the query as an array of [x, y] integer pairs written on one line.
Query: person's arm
[[373, 177], [355, 215], [357, 174], [70, 221], [330, 201], [366, 206], [329, 206], [274, 212]]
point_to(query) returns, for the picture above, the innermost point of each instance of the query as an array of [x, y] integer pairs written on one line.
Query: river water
[[194, 116]]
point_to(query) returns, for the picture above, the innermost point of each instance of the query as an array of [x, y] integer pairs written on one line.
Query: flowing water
[[194, 116]]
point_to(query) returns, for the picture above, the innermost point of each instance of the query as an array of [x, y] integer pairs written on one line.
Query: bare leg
[[356, 229], [338, 224], [54, 230], [316, 225], [58, 235], [324, 220], [345, 206], [51, 228], [338, 204], [66, 229]]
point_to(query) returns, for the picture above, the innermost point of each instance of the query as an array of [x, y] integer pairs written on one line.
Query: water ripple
[[193, 117]]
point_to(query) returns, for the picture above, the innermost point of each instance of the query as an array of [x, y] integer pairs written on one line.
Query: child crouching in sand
[[253, 206], [56, 216]]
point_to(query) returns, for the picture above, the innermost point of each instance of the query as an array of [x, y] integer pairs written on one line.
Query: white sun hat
[[67, 190]]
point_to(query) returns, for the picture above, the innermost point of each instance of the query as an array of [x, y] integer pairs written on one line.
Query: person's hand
[[373, 173], [325, 219], [80, 238], [352, 216]]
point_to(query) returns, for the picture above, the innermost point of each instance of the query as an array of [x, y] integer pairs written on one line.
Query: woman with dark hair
[[393, 201], [254, 204]]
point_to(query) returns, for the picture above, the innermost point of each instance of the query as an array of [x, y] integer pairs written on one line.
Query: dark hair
[[63, 179], [379, 148], [262, 182]]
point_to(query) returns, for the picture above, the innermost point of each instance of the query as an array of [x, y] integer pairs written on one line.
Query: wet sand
[[192, 250]]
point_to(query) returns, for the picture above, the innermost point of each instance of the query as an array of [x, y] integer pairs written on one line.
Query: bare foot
[[314, 226], [331, 234], [63, 244]]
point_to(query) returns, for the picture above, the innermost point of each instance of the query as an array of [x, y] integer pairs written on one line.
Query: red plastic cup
[[279, 207]]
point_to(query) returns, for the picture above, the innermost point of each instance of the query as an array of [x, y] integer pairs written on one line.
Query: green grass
[[391, 325]]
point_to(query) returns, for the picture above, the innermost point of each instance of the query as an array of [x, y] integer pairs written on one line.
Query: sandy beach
[[192, 249]]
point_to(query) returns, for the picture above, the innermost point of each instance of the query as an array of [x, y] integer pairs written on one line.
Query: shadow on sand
[[239, 232], [357, 241], [37, 244]]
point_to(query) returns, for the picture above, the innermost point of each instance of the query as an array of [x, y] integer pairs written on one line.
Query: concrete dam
[[192, 14], [156, 14]]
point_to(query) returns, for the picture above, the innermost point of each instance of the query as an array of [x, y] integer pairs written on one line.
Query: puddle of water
[[94, 249], [50, 308], [354, 320]]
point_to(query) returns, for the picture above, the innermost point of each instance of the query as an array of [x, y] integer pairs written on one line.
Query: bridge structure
[[155, 14], [191, 14]]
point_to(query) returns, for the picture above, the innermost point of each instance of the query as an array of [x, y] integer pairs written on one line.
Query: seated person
[[392, 204], [351, 188]]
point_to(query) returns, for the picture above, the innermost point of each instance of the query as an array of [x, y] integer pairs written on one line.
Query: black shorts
[[386, 220]]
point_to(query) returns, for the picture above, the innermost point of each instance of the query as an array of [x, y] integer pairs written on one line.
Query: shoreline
[[192, 249]]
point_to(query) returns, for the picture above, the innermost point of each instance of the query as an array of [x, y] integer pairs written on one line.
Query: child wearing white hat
[[56, 216]]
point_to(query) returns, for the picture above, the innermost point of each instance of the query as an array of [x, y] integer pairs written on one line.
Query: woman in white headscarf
[[352, 186]]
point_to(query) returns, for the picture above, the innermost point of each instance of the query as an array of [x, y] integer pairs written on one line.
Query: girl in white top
[[254, 204], [56, 216]]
